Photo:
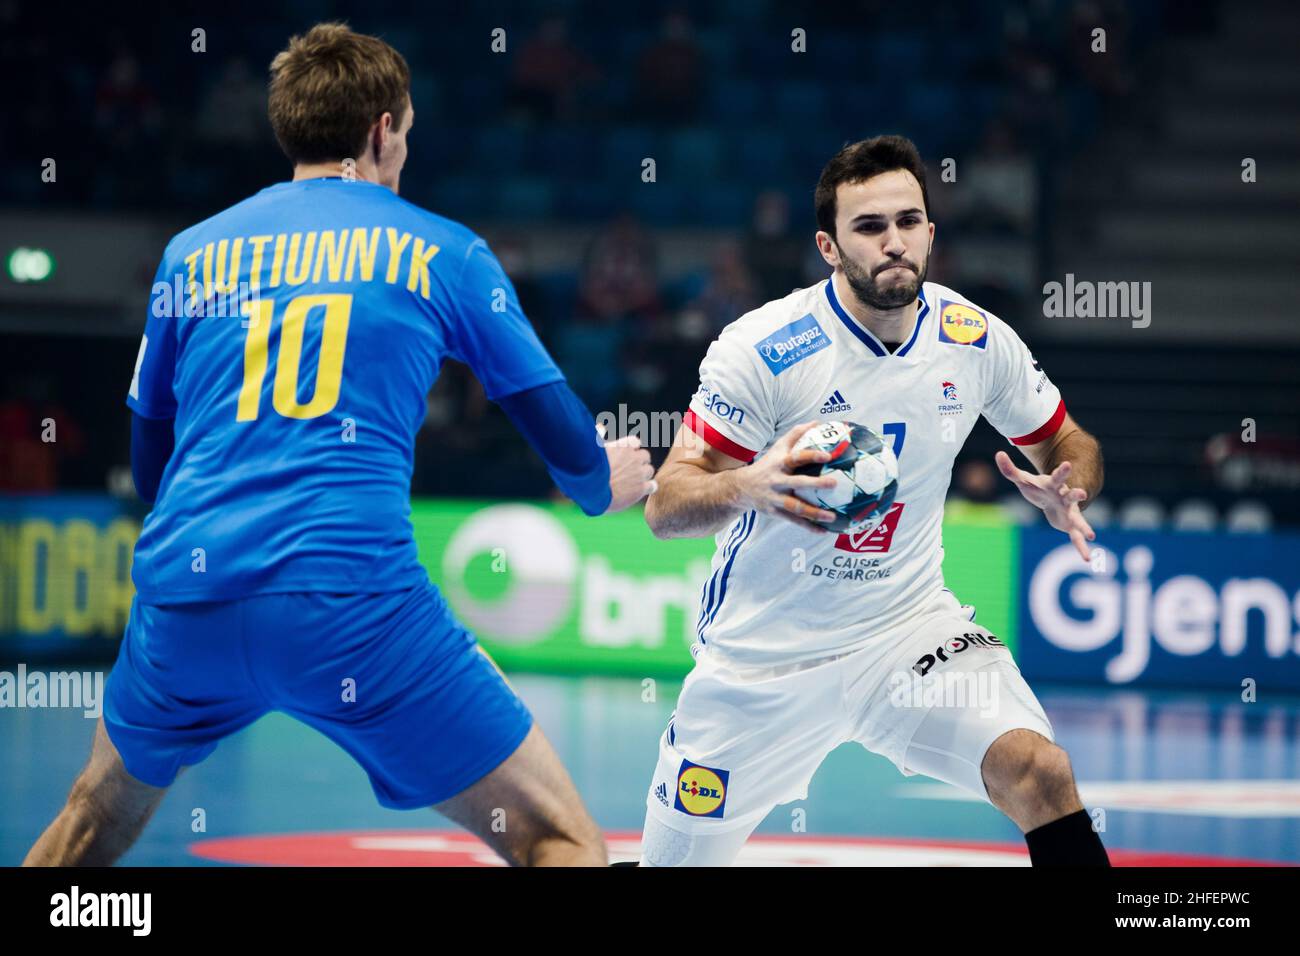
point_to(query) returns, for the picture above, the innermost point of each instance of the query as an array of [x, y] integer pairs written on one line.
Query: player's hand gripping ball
[[865, 472]]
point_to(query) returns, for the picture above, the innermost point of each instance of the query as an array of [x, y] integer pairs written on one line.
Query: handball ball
[[865, 472]]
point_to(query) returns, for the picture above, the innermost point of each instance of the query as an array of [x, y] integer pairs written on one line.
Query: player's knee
[[581, 830], [575, 833], [661, 845], [1023, 765]]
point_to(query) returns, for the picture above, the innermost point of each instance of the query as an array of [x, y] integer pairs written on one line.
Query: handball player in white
[[807, 638]]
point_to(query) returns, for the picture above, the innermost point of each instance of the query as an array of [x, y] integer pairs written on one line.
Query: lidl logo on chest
[[963, 325]]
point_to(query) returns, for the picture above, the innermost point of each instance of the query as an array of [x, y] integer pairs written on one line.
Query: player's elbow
[[656, 518], [1099, 466]]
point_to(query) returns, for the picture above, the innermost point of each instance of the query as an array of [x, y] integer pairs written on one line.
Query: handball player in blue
[[282, 378]]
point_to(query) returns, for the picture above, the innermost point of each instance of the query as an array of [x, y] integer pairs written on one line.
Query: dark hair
[[328, 87], [860, 161]]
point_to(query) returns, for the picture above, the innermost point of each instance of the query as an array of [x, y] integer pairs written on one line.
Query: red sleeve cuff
[[715, 438], [1050, 428]]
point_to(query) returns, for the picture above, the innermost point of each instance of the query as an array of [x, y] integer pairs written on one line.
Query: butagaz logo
[[792, 343], [954, 645], [715, 403], [661, 792], [835, 404], [950, 405]]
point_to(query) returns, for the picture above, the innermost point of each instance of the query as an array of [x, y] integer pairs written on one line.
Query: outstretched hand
[[1054, 497]]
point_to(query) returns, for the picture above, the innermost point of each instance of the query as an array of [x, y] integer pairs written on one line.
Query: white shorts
[[931, 695]]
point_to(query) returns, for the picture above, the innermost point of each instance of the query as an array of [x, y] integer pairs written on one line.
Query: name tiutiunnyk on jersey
[[294, 338], [778, 595]]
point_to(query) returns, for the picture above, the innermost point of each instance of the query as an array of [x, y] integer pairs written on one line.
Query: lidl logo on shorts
[[962, 325], [701, 791], [792, 343]]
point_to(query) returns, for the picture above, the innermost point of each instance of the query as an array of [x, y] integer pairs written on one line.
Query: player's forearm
[[692, 502], [1083, 452], [561, 429]]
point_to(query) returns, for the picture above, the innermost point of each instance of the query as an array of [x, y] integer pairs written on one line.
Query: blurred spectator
[[620, 274], [1108, 74], [128, 122], [771, 251], [1266, 461], [619, 312], [548, 73], [234, 110], [1030, 79], [973, 496], [729, 292], [36, 435], [996, 192], [988, 223], [126, 109], [670, 73]]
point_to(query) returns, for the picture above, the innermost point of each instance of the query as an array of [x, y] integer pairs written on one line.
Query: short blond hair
[[327, 89]]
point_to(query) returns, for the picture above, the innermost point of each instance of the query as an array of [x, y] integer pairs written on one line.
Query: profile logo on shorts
[[955, 645], [701, 791], [963, 325]]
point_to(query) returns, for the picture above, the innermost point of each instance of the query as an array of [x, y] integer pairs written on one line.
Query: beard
[[869, 291]]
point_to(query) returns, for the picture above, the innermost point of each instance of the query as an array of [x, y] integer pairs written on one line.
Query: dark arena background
[[1119, 181]]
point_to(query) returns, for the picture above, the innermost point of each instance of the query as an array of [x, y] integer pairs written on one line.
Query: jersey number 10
[[329, 366]]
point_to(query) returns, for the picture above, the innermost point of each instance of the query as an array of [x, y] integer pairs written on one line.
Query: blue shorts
[[392, 678]]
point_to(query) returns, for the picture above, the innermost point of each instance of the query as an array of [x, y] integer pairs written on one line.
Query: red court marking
[[454, 848]]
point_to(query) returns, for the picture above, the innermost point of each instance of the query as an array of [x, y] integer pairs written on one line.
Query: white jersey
[[780, 595]]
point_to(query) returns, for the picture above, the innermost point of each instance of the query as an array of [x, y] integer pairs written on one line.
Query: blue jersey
[[294, 338]]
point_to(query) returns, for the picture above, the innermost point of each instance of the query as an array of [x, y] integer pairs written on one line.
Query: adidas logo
[[836, 403], [661, 792]]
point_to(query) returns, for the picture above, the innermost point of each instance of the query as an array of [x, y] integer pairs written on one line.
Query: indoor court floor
[[1183, 779]]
